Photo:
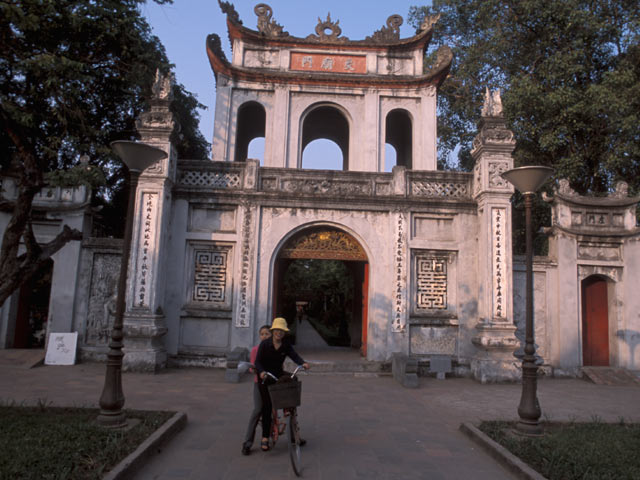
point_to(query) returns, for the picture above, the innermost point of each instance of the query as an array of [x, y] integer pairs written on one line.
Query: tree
[[570, 76], [74, 76]]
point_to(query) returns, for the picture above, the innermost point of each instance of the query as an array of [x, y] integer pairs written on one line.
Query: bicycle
[[286, 396]]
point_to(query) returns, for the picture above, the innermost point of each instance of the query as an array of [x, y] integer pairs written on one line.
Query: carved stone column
[[495, 331], [144, 321]]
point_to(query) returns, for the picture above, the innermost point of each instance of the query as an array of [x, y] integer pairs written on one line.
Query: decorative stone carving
[[229, 10], [215, 45], [621, 190], [431, 282], [438, 189], [328, 25], [210, 179], [444, 57], [210, 275], [492, 106], [163, 87], [389, 33], [429, 21], [158, 122], [102, 294], [564, 188], [496, 169], [326, 244], [266, 25], [496, 135], [477, 176], [327, 187], [599, 251]]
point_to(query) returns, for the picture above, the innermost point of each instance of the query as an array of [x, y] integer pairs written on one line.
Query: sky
[[183, 28]]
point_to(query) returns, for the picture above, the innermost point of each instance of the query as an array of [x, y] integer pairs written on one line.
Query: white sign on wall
[[61, 349]]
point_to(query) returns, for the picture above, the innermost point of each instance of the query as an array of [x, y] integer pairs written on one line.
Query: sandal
[[264, 444]]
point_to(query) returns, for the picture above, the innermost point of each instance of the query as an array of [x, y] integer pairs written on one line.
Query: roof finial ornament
[[162, 86], [266, 25], [429, 21], [492, 104], [323, 27], [389, 33], [229, 10]]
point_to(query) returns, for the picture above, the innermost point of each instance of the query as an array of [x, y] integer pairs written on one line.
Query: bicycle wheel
[[293, 440]]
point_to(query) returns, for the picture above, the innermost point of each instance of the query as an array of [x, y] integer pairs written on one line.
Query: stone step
[[610, 376], [339, 366]]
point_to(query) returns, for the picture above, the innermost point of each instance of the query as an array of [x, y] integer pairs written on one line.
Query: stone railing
[[198, 176], [194, 174]]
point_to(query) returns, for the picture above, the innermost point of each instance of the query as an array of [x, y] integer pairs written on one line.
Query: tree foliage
[[74, 76], [570, 76]]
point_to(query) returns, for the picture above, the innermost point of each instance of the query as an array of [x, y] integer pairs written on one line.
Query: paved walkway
[[356, 426]]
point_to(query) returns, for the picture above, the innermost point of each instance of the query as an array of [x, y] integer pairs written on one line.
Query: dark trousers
[[255, 416], [266, 410]]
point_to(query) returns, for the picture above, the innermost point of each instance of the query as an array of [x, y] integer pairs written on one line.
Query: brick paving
[[357, 426]]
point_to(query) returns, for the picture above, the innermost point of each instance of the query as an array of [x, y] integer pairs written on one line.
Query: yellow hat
[[279, 324]]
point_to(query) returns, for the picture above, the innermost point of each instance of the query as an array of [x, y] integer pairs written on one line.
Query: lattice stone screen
[[210, 275], [431, 282]]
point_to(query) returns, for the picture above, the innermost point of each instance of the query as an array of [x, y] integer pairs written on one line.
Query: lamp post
[[528, 180], [137, 157]]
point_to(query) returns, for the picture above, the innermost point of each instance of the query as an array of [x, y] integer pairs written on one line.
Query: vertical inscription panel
[[146, 250], [399, 284], [499, 263]]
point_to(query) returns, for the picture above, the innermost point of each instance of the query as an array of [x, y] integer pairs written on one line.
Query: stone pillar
[[494, 338], [144, 321]]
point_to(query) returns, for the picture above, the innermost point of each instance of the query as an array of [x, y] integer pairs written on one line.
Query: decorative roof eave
[[272, 33], [618, 198], [435, 76], [237, 31]]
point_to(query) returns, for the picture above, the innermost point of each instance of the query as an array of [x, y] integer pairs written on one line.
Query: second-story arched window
[[325, 130], [399, 134], [251, 121]]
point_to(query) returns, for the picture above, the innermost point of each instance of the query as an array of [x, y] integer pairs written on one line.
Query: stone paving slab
[[356, 427]]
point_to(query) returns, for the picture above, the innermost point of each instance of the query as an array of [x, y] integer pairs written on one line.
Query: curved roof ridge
[[327, 32]]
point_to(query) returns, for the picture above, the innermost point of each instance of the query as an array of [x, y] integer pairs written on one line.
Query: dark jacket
[[271, 360]]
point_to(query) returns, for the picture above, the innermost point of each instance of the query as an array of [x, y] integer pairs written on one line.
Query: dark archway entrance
[[33, 309], [321, 282], [595, 322]]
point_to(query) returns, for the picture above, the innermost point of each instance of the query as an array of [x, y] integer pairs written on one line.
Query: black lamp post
[[528, 180], [137, 157]]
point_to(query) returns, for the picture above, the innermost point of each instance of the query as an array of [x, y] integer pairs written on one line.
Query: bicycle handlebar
[[244, 366]]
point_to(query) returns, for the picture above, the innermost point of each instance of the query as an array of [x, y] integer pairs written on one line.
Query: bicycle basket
[[285, 394]]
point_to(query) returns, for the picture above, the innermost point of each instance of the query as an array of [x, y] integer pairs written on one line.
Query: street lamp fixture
[[137, 157], [527, 181]]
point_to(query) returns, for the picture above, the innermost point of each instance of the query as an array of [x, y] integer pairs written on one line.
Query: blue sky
[[184, 26]]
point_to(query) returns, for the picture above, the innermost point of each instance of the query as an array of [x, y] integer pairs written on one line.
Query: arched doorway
[[595, 322], [321, 278]]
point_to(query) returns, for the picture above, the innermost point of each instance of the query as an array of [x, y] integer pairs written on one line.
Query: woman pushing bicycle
[[270, 358]]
